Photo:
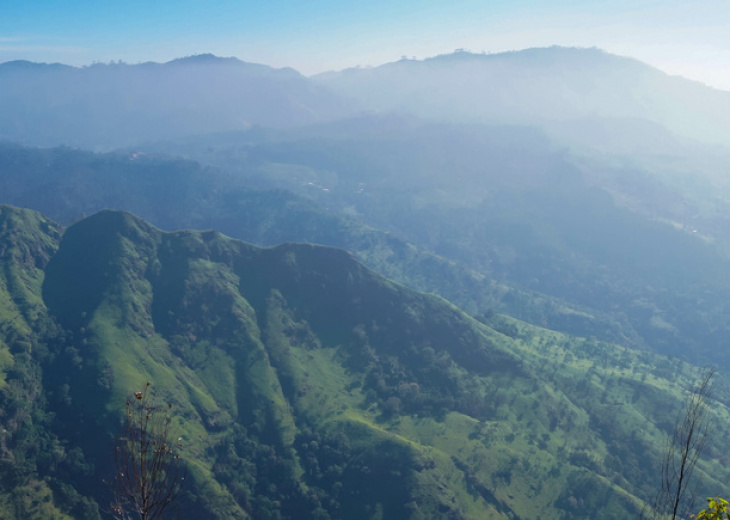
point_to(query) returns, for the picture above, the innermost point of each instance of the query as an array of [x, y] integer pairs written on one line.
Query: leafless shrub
[[149, 472]]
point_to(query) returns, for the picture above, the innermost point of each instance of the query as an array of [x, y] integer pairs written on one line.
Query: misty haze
[[465, 285]]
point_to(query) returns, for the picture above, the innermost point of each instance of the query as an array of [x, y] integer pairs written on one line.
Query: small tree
[[684, 448], [717, 509], [149, 472]]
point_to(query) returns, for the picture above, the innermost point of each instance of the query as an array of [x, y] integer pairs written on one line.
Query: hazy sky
[[690, 38]]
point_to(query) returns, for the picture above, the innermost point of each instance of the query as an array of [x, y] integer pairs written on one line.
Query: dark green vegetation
[[307, 386], [172, 193], [592, 248], [501, 221]]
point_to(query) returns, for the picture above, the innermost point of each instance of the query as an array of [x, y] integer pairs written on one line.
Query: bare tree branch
[[684, 448], [149, 471]]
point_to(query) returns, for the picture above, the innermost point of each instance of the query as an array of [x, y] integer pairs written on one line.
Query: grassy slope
[[305, 384]]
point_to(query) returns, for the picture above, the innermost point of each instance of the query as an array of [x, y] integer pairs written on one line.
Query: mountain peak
[[25, 65], [204, 59], [535, 56]]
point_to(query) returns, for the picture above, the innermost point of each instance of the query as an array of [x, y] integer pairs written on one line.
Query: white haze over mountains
[[615, 112], [571, 93], [444, 152], [109, 106], [545, 87]]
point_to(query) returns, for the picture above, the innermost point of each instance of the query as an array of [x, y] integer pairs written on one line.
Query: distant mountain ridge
[[105, 106], [111, 105], [541, 86]]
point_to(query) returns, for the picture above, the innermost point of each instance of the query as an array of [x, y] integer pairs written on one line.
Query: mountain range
[[472, 286], [111, 105], [563, 90], [554, 87]]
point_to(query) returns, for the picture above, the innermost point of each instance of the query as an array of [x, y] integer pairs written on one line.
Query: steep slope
[[29, 451], [307, 386], [200, 315], [112, 105]]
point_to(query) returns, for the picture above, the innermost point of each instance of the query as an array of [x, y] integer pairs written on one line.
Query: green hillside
[[624, 247], [67, 184], [305, 385]]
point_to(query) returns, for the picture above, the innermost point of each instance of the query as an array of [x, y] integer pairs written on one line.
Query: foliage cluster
[[717, 509]]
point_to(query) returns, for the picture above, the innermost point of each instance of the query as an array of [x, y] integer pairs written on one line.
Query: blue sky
[[680, 37]]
